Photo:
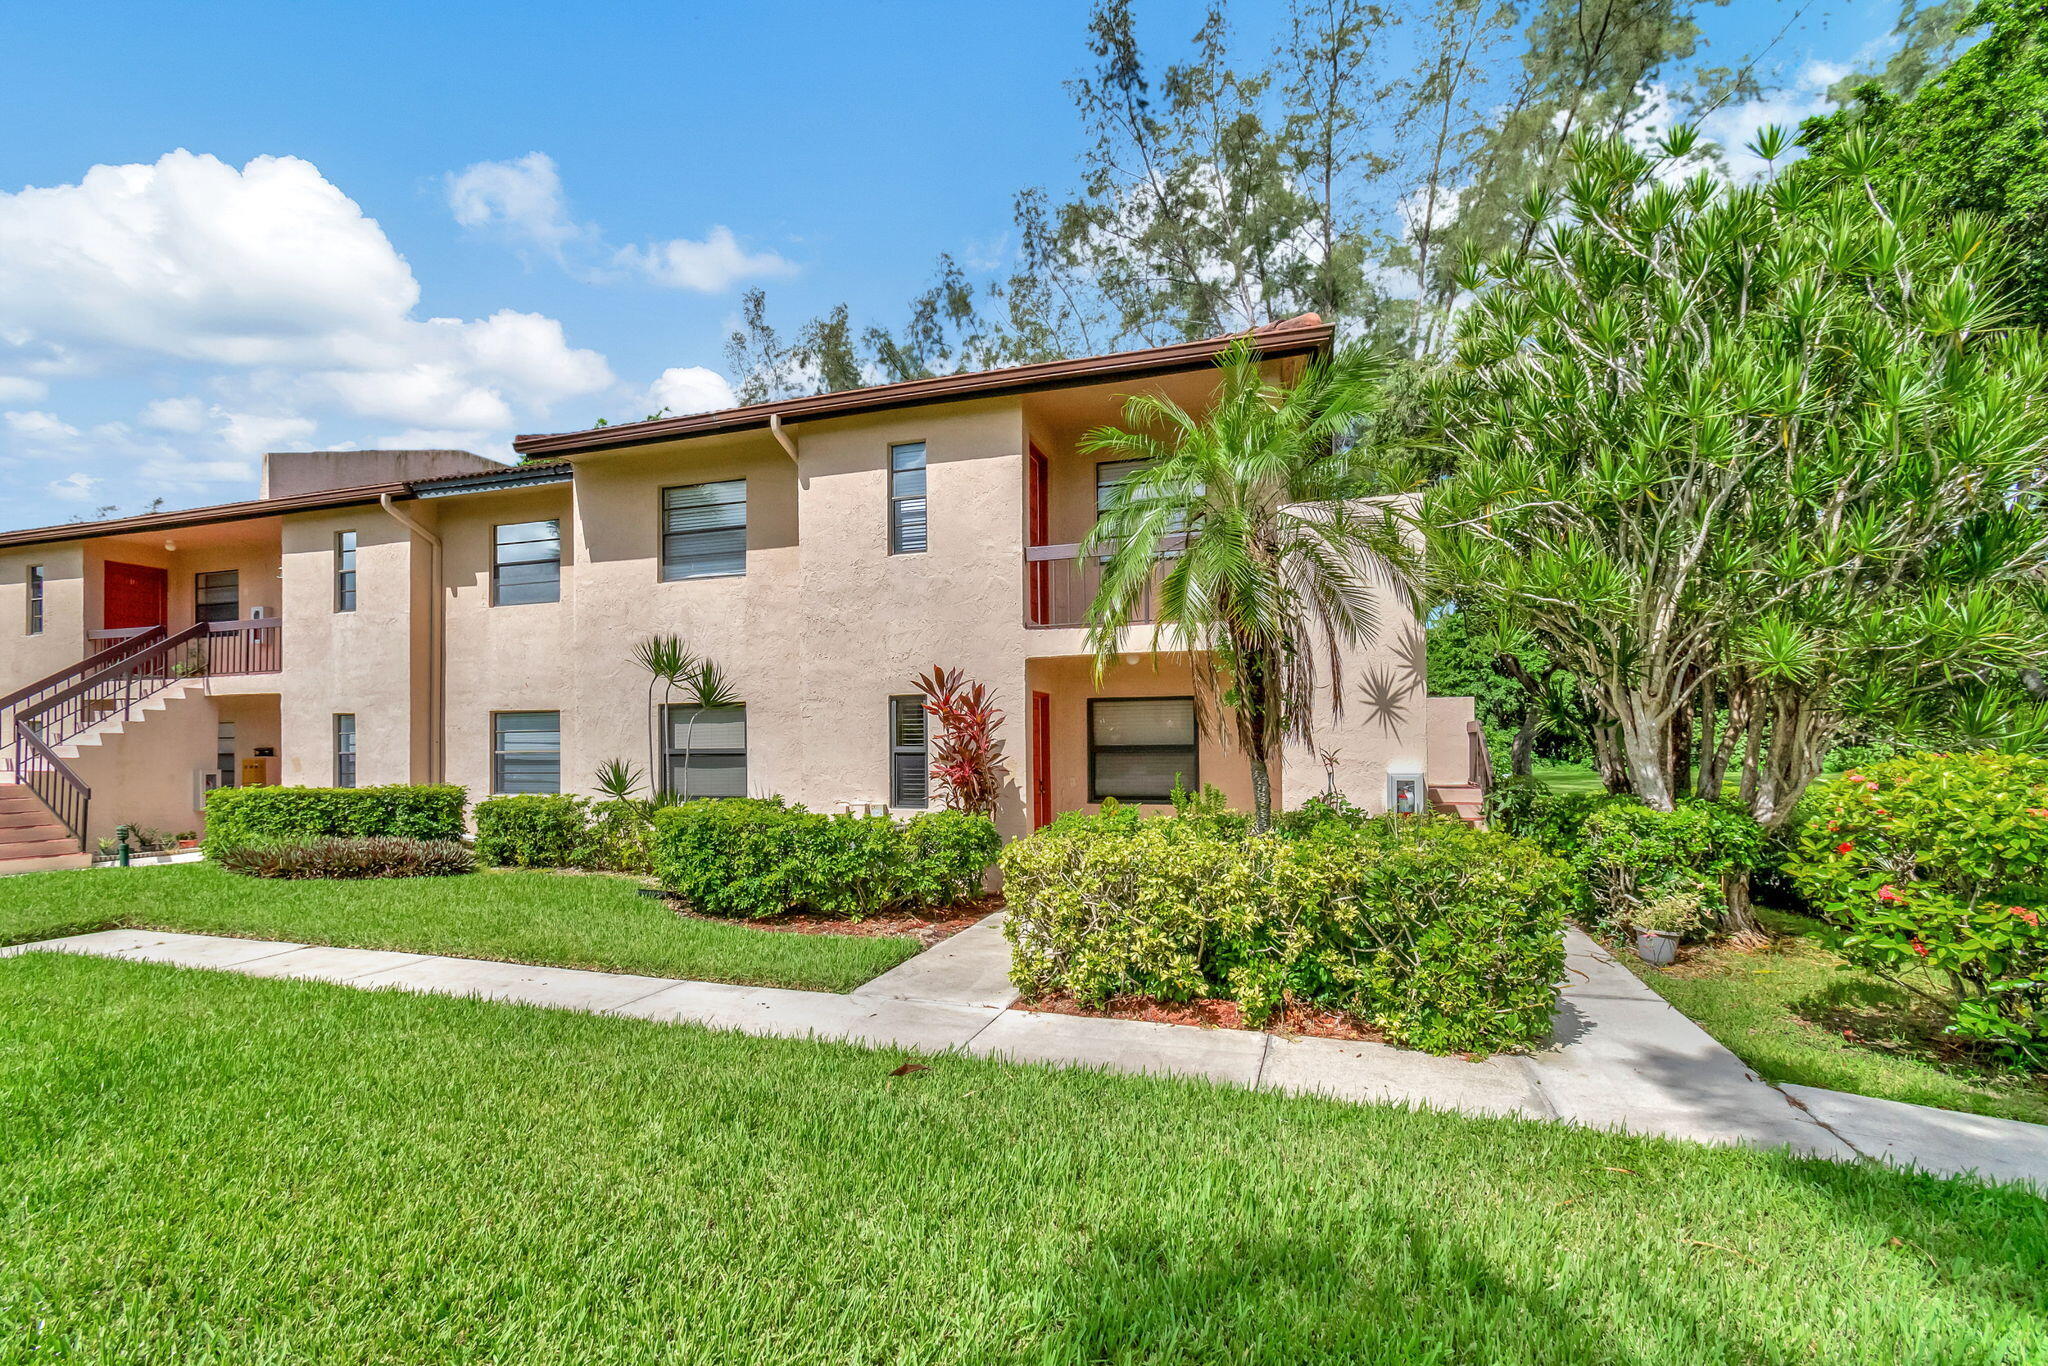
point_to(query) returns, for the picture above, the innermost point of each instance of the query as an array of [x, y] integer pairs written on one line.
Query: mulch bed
[[926, 927], [1214, 1013]]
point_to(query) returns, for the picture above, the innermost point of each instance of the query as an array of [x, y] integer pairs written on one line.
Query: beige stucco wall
[[370, 661], [24, 658], [152, 773], [1070, 682], [1450, 747]]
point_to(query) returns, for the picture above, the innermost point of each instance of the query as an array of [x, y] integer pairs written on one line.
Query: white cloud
[[255, 433], [35, 425], [186, 414], [1735, 127], [688, 389], [709, 267], [523, 199], [18, 389], [72, 488], [268, 270]]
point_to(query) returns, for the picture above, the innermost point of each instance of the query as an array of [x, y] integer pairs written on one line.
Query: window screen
[[906, 499], [526, 564], [217, 596], [707, 751], [526, 751], [344, 571], [344, 749], [910, 764], [704, 530], [1139, 747]]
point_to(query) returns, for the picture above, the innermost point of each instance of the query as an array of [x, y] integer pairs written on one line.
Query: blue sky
[[363, 249]]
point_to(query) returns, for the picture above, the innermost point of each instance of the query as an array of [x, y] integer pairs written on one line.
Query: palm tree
[[667, 663], [1243, 525]]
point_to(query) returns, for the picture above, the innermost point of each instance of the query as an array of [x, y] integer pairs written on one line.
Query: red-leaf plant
[[967, 758]]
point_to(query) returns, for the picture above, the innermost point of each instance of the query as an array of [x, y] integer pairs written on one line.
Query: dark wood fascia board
[[222, 512], [1024, 379]]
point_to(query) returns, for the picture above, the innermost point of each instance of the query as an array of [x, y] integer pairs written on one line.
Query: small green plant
[[246, 815], [1676, 912], [531, 830]]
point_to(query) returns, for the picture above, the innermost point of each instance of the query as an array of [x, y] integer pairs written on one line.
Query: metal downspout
[[436, 687]]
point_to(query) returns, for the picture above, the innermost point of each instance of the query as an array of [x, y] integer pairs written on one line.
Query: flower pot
[[1656, 946]]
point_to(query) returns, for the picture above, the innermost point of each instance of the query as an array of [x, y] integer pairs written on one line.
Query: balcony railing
[[255, 646], [1060, 585]]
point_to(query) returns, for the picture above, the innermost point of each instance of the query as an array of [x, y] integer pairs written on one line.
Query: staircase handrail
[[126, 672], [98, 659], [51, 779]]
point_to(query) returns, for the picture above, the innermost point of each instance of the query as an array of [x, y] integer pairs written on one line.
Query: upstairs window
[[526, 564], [344, 749], [704, 530], [217, 596], [526, 751], [1139, 748], [35, 600], [707, 751], [906, 499], [344, 571], [1109, 475], [910, 763]]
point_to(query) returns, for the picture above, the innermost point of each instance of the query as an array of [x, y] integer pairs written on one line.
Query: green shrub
[[1445, 938], [1630, 855], [751, 858], [1931, 868], [247, 815], [332, 856], [1552, 821], [1331, 808], [532, 830]]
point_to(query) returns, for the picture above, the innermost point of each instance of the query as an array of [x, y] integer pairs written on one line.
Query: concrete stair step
[[28, 814], [46, 863], [34, 849], [41, 832]]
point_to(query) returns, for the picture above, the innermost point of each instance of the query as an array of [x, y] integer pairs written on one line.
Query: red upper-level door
[[137, 595]]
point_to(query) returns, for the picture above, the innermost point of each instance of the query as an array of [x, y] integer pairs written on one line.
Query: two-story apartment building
[[379, 617]]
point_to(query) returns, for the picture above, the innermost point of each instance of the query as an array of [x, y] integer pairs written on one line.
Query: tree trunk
[[1738, 916], [1607, 761], [1522, 753], [1646, 747], [1262, 793]]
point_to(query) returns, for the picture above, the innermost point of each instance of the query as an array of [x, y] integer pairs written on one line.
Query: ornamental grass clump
[[1933, 870], [1442, 937]]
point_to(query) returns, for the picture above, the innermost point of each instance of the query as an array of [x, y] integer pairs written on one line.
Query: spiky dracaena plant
[[705, 687], [1763, 453], [1243, 534], [968, 764], [667, 663]]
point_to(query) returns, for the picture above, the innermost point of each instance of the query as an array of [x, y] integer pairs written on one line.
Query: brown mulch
[[1215, 1013], [926, 927]]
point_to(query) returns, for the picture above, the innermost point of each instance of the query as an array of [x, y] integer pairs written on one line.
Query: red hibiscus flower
[[2030, 917], [1888, 893], [1845, 846], [1919, 948]]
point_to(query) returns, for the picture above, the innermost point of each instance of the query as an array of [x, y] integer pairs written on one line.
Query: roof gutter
[[437, 683], [782, 438]]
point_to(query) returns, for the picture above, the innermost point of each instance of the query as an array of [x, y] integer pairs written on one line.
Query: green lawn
[[1783, 1011], [1571, 778], [205, 1168], [525, 917]]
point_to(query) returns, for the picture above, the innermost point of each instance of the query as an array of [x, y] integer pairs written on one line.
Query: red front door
[[136, 595], [1041, 760], [1041, 571]]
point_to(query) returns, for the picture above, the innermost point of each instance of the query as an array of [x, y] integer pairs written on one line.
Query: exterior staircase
[[31, 839], [122, 719], [1463, 801]]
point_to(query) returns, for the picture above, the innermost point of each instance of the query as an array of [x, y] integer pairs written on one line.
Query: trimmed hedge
[[532, 830], [330, 856], [755, 857], [1445, 938], [246, 815], [1934, 870]]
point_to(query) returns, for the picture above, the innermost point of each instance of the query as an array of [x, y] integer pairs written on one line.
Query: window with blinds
[[344, 571], [217, 595], [35, 600], [910, 763], [526, 751], [526, 564], [707, 751], [344, 749], [906, 499], [704, 530], [1139, 748]]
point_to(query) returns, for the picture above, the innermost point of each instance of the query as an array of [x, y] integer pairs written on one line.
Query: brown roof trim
[[1291, 338], [221, 512]]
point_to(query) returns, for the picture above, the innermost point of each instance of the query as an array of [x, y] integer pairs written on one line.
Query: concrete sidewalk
[[1620, 1057]]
